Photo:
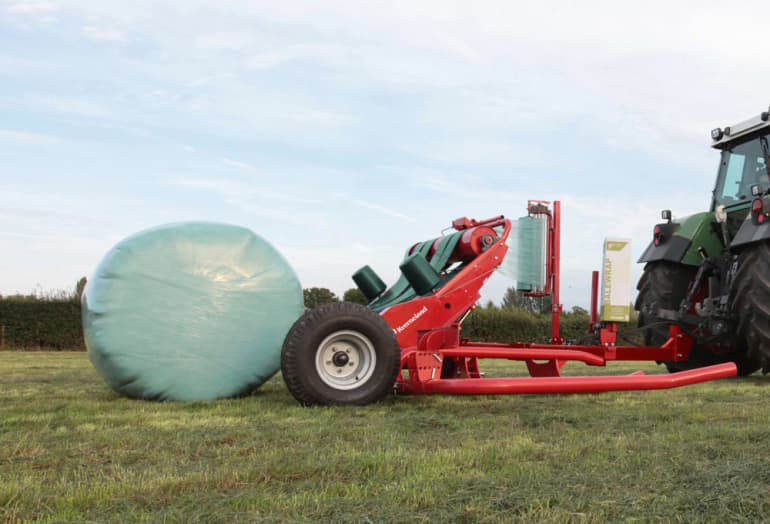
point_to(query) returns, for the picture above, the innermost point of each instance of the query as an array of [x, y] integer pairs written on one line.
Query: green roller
[[370, 284], [420, 274], [192, 311], [403, 290]]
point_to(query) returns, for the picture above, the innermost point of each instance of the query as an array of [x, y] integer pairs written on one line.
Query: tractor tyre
[[664, 285], [340, 353], [751, 303]]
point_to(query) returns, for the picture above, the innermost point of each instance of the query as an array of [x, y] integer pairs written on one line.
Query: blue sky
[[344, 131]]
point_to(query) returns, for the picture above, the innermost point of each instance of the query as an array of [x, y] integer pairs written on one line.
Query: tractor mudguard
[[750, 233], [680, 240]]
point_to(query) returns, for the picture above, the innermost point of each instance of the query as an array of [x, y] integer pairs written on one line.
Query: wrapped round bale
[[191, 311]]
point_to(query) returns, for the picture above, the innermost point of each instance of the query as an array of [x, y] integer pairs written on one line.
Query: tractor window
[[742, 167], [733, 176]]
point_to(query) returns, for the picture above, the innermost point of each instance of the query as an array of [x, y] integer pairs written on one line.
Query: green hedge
[[41, 324], [55, 324], [513, 325]]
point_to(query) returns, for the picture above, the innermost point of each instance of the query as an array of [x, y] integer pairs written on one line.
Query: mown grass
[[71, 450]]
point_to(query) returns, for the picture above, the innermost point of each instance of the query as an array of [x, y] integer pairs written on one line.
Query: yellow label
[[615, 245], [616, 313], [616, 281]]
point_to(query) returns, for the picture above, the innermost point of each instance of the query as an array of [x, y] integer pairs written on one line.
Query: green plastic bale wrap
[[192, 311], [531, 253], [526, 259]]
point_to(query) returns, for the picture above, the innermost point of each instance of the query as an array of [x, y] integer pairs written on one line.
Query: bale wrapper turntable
[[409, 337]]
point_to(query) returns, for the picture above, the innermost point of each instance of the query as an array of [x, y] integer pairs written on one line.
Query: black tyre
[[664, 285], [751, 303], [341, 353]]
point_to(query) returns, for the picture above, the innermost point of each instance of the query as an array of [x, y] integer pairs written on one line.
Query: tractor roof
[[722, 138]]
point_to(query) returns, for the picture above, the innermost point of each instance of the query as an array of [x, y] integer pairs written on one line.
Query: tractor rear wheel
[[664, 285], [751, 303], [341, 353]]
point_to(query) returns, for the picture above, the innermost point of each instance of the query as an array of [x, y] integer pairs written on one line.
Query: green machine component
[[369, 282], [702, 235], [421, 275], [418, 276], [530, 253], [191, 311], [685, 240]]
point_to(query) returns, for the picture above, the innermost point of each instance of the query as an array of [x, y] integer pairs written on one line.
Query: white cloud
[[382, 210], [83, 106], [221, 186], [229, 41], [238, 164], [477, 152], [437, 183], [33, 7], [25, 137], [104, 34], [243, 186], [333, 55]]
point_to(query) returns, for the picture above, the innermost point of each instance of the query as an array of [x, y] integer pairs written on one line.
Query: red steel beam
[[550, 351], [551, 385], [556, 306], [594, 298], [525, 354]]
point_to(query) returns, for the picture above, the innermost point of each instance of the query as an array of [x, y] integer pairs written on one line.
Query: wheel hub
[[345, 360], [340, 359]]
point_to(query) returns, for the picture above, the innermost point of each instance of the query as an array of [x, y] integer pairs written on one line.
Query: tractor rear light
[[657, 236], [758, 211], [716, 134]]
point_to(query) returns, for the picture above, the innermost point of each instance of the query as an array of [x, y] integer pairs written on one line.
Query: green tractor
[[710, 272]]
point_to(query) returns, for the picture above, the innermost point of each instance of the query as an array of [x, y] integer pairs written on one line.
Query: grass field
[[71, 450]]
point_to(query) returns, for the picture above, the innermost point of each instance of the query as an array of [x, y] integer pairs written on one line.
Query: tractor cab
[[744, 168]]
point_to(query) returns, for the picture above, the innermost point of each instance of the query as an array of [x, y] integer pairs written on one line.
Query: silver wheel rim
[[345, 360]]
